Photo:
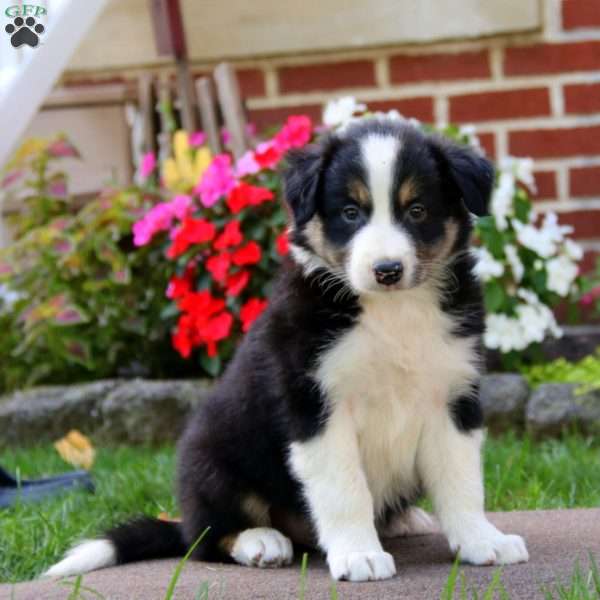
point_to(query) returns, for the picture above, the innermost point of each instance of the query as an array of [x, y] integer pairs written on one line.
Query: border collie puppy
[[357, 389]]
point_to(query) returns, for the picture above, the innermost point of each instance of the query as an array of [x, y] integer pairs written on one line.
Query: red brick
[[487, 141], [252, 82], [588, 262], [268, 117], [582, 98], [327, 76], [439, 67], [552, 143], [511, 104], [418, 108], [545, 182], [580, 13], [584, 181], [585, 222], [552, 58]]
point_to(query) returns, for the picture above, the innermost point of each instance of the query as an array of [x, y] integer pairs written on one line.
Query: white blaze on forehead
[[379, 154]]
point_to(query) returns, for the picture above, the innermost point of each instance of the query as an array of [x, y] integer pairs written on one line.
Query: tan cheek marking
[[359, 192], [334, 257], [407, 192], [443, 248]]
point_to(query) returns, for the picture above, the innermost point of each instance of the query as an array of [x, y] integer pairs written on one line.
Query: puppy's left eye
[[417, 213], [351, 213]]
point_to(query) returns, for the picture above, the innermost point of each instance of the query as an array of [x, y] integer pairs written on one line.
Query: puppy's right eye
[[351, 213]]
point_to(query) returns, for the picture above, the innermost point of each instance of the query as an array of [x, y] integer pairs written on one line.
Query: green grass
[[520, 474]]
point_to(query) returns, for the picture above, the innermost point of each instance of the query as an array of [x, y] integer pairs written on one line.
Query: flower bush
[[224, 237], [528, 264], [80, 300]]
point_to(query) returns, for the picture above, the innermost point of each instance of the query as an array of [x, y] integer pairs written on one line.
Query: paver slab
[[556, 540]]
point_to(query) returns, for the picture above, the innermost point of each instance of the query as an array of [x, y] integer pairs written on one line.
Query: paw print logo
[[24, 32]]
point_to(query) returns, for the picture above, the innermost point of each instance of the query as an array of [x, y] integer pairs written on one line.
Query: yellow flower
[[183, 171]]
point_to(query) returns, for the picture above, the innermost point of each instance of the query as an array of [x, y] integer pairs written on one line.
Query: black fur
[[236, 445]]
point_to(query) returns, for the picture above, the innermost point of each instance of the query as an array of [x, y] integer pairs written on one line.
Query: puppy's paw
[[262, 547], [498, 549], [413, 521], [361, 566]]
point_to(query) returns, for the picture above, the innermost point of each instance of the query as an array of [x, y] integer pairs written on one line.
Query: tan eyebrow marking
[[407, 192], [359, 192]]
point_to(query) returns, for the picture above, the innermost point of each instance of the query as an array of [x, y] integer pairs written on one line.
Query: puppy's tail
[[141, 539]]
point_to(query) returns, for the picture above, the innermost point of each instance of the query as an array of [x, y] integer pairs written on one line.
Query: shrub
[[84, 302]]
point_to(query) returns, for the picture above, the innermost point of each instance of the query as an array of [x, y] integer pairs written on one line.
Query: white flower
[[502, 200], [554, 230], [521, 169], [573, 250], [538, 240], [534, 321], [562, 272], [486, 266], [339, 112], [503, 333], [514, 261]]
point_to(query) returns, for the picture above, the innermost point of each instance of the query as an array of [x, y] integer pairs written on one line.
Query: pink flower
[[217, 181], [160, 218], [58, 189], [589, 298], [197, 139], [246, 165], [181, 206], [62, 148], [11, 177], [225, 136], [296, 133], [147, 165]]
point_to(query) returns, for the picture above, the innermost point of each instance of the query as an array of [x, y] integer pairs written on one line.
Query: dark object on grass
[[13, 491]]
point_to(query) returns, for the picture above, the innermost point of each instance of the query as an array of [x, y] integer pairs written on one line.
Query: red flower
[[282, 243], [245, 194], [218, 265], [250, 312], [267, 154], [192, 231], [296, 133], [237, 282], [178, 287], [201, 305], [183, 337], [214, 330], [231, 236], [246, 255]]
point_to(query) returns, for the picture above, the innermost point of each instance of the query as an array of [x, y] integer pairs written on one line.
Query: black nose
[[389, 272]]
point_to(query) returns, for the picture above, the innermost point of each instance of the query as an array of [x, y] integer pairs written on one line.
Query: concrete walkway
[[556, 539]]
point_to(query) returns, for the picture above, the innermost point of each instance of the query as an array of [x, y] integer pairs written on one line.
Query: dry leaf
[[163, 516], [76, 449]]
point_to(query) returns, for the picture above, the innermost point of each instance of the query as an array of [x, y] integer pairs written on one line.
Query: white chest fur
[[395, 371]]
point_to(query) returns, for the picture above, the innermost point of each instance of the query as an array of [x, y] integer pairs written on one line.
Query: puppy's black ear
[[470, 174], [301, 181]]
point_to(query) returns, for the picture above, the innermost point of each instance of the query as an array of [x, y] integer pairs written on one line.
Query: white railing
[[28, 74]]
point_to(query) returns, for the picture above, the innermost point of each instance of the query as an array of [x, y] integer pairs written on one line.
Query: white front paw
[[262, 547], [497, 549], [361, 566]]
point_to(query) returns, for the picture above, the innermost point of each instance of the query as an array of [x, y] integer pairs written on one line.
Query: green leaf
[[211, 364], [494, 296]]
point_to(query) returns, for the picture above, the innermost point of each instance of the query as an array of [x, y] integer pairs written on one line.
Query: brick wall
[[534, 94]]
